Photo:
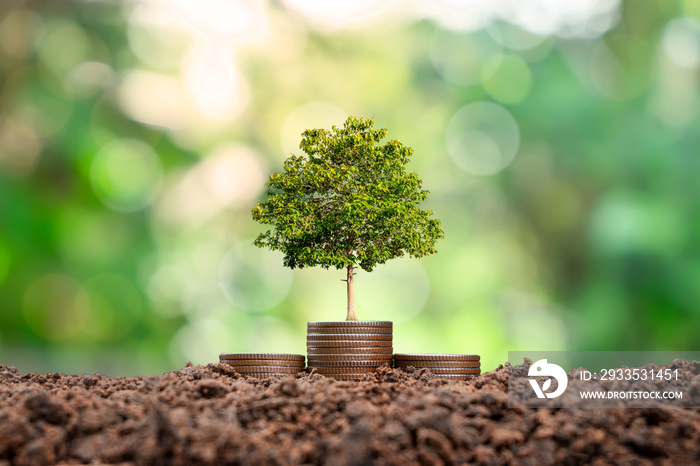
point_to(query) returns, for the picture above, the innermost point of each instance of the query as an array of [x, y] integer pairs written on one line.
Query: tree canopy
[[348, 202]]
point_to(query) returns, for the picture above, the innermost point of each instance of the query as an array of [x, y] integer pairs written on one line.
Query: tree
[[348, 203]]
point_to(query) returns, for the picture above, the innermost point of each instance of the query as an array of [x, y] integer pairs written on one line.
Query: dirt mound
[[210, 414]]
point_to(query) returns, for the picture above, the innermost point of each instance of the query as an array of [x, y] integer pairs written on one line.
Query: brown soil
[[210, 414]]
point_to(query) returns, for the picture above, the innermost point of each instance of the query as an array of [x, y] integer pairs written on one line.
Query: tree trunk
[[351, 296]]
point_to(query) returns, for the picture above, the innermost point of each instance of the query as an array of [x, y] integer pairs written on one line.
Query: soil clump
[[212, 415]]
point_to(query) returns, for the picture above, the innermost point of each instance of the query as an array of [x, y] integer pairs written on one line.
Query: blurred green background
[[560, 142]]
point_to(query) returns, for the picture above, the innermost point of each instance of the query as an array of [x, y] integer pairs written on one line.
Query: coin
[[342, 370], [263, 362], [445, 370], [284, 369], [349, 336], [373, 363], [351, 323], [291, 357], [436, 357], [358, 351], [265, 375], [456, 377], [349, 365], [451, 370], [347, 344], [350, 356], [348, 377], [346, 330], [292, 369], [340, 362], [430, 364]]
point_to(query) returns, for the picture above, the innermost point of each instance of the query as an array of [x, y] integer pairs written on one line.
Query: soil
[[210, 414]]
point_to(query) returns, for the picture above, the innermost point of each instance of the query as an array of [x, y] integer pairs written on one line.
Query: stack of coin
[[263, 365], [446, 366], [348, 350]]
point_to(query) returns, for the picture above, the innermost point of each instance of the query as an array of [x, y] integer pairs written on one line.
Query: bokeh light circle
[[458, 15], [56, 307], [308, 116], [214, 83], [514, 37], [509, 80], [203, 339], [260, 333], [622, 67], [126, 175], [231, 177], [254, 279], [18, 28], [529, 321], [200, 342], [395, 291], [681, 42], [65, 46], [156, 45], [167, 285], [582, 19], [337, 13], [460, 57], [21, 149], [87, 79], [482, 138]]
